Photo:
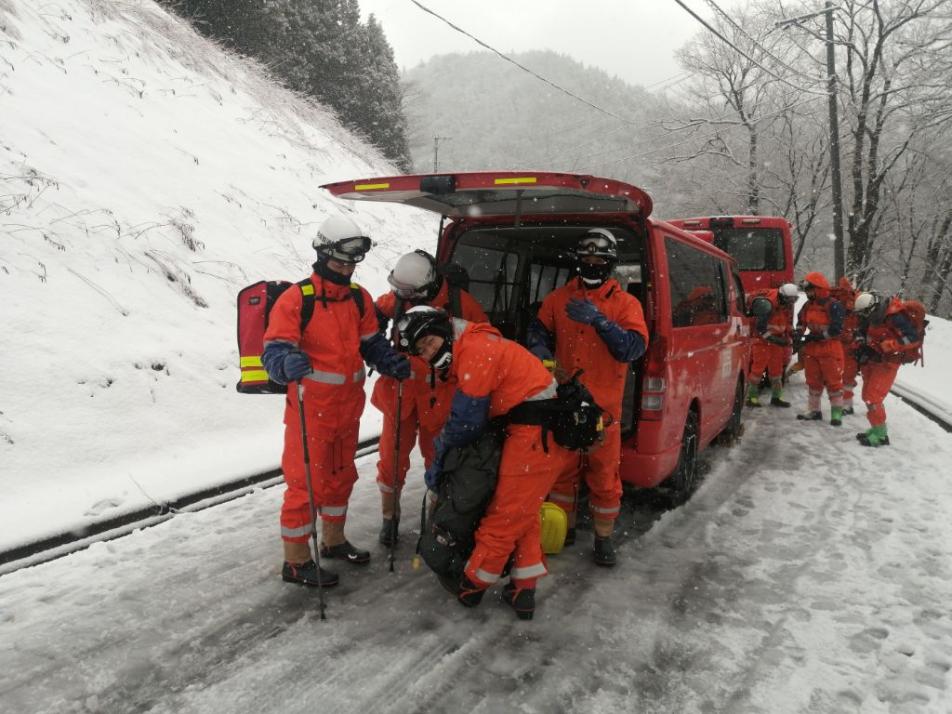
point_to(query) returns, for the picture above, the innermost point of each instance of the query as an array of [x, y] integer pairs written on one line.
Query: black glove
[[865, 354], [776, 340], [813, 337]]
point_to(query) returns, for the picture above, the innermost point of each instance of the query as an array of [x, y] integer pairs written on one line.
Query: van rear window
[[753, 248]]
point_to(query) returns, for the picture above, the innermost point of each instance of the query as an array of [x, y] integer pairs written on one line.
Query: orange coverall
[[333, 401], [426, 399], [485, 365], [579, 347]]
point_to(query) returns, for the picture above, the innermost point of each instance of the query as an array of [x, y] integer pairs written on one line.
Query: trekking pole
[[396, 471], [310, 498]]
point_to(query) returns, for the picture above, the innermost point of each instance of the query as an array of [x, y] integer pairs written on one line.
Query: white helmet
[[865, 303], [341, 239], [414, 275], [788, 292]]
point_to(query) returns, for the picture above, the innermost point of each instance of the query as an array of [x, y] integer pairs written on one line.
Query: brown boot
[[335, 545], [299, 567]]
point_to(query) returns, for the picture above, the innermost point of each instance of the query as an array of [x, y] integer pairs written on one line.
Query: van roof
[[500, 193]]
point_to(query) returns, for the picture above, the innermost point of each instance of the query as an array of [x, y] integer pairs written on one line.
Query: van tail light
[[653, 385]]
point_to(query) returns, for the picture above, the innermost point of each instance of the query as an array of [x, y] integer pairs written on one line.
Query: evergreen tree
[[319, 48]]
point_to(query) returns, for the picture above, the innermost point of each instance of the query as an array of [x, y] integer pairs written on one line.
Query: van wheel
[[682, 482], [735, 425]]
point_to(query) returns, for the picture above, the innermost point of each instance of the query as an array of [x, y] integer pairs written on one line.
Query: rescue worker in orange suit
[[819, 325], [326, 360], [846, 294], [493, 376], [774, 329], [591, 324], [886, 333], [425, 402]]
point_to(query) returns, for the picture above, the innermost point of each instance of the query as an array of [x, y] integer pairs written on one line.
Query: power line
[[523, 67], [741, 52], [717, 8]]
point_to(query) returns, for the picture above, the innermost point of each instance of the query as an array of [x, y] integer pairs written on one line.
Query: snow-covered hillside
[[145, 176]]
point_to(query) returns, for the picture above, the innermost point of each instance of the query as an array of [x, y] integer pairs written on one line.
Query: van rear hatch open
[[501, 194]]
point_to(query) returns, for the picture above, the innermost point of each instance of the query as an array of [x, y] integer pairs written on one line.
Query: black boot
[[569, 537], [810, 416], [469, 593], [522, 600], [603, 552], [778, 402], [388, 532], [307, 574], [345, 551]]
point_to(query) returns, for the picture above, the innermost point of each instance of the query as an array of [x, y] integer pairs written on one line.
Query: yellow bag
[[555, 524]]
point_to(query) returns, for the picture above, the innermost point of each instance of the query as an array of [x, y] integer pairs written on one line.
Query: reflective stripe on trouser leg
[[511, 524], [813, 399], [385, 467], [878, 378], [602, 476]]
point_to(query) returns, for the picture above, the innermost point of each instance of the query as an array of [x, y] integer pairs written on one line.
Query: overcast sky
[[633, 39]]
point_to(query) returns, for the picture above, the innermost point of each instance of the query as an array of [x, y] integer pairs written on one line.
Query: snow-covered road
[[807, 574]]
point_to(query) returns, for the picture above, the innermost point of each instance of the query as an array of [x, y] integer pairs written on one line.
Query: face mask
[[594, 274]]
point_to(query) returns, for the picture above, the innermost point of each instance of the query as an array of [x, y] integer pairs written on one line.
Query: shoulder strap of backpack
[[358, 295], [456, 304], [307, 301]]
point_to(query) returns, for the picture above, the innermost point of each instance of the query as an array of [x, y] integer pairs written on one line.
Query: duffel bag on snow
[[466, 487]]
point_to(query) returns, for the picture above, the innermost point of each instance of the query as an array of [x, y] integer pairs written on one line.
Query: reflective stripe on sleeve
[[547, 393], [606, 511], [563, 498]]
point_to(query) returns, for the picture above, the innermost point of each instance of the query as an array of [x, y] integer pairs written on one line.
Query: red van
[[515, 232], [762, 246]]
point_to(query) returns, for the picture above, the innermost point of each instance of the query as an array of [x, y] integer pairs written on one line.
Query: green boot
[[836, 416], [875, 436], [753, 396], [776, 398]]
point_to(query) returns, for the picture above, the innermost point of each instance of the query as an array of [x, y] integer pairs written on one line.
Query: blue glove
[[284, 362], [380, 355], [539, 340], [582, 311], [296, 365], [433, 475], [396, 366]]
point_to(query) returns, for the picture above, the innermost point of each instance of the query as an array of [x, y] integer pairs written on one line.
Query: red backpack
[[915, 311], [254, 306]]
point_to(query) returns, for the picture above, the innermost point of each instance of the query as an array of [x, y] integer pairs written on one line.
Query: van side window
[[698, 289]]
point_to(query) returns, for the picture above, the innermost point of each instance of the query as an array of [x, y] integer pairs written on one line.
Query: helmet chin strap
[[443, 357]]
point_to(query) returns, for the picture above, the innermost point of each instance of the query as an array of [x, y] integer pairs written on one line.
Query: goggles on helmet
[[347, 250], [594, 246]]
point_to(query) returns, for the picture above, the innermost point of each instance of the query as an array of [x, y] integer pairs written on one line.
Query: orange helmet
[[816, 280]]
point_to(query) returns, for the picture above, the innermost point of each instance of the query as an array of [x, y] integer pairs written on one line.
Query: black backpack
[[572, 417], [254, 307], [467, 485]]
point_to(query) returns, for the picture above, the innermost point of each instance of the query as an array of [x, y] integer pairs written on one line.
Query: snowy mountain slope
[[807, 574], [145, 176]]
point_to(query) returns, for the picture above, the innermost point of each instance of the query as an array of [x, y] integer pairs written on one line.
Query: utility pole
[[436, 151], [839, 247]]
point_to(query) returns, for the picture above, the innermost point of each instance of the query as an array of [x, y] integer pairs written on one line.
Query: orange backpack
[[916, 312]]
